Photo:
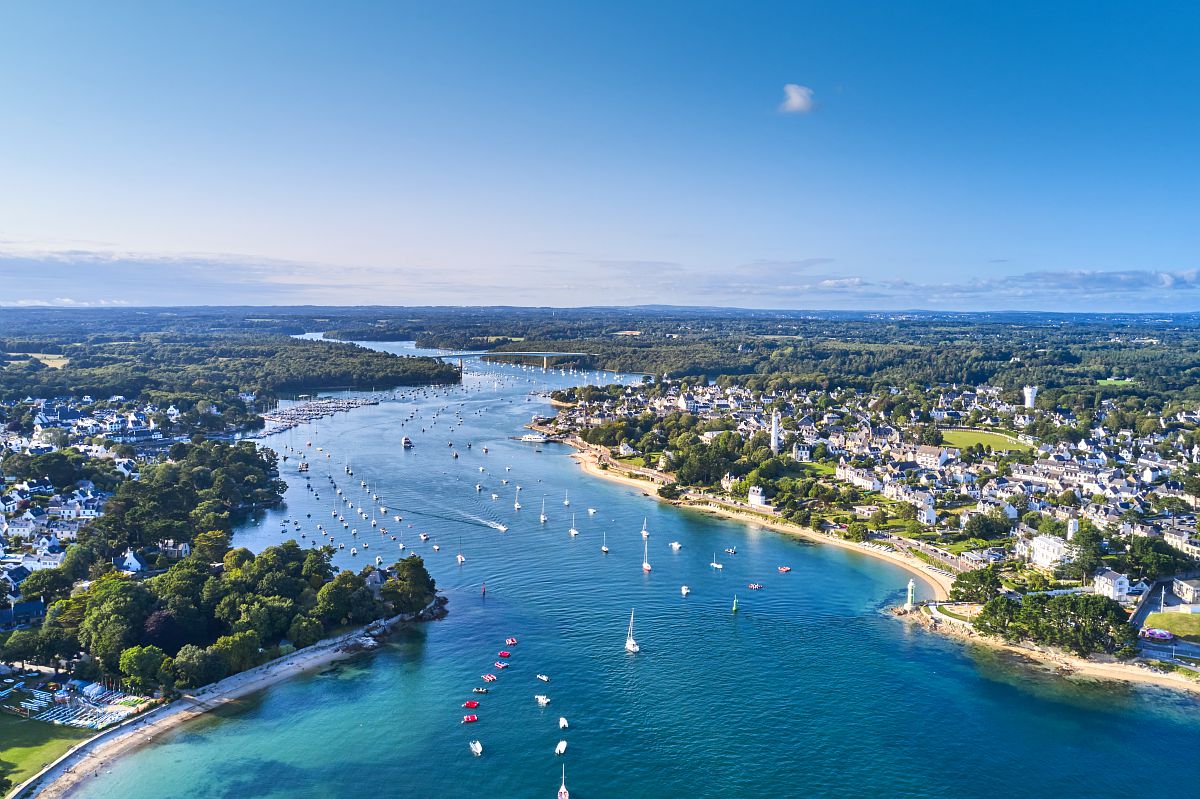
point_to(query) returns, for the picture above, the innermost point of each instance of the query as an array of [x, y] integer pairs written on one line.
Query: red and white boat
[[505, 654], [471, 719], [470, 704], [754, 586], [510, 641], [784, 569], [488, 678], [500, 664]]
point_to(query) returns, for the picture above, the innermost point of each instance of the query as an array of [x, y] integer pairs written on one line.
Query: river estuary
[[811, 689]]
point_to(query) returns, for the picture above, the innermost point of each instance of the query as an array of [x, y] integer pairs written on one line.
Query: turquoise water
[[810, 690]]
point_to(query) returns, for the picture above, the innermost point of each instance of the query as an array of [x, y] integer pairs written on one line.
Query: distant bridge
[[545, 356]]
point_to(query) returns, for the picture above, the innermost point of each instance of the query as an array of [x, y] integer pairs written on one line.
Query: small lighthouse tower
[[775, 439], [1030, 396], [910, 601]]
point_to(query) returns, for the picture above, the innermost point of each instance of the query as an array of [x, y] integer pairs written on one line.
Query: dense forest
[[169, 362]]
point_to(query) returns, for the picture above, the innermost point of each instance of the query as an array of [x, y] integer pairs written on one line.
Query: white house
[[756, 497], [1111, 584], [1049, 551]]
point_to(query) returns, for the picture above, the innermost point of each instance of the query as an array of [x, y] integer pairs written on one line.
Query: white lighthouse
[[775, 432], [1030, 396]]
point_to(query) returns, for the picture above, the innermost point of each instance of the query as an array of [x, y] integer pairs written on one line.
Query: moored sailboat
[[631, 645]]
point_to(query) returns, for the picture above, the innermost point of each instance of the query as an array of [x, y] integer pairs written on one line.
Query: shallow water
[[811, 689]]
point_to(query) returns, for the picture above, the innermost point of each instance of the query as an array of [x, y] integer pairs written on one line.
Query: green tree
[[977, 585], [305, 631], [141, 664]]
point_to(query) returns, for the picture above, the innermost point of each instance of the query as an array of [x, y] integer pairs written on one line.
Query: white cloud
[[797, 99]]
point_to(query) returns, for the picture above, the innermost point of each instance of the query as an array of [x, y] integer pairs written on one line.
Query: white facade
[[1111, 584], [1030, 395], [1049, 551]]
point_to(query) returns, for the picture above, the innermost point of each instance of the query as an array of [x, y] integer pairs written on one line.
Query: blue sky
[[961, 155]]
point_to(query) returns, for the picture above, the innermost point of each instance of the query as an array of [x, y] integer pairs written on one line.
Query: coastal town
[[979, 478]]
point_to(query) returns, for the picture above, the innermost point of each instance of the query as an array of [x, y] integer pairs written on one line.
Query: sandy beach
[[1098, 667], [939, 583], [92, 757]]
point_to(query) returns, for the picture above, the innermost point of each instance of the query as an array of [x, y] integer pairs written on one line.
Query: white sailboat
[[566, 498], [646, 556], [604, 542], [631, 645], [517, 502], [563, 793], [542, 518], [715, 563], [573, 531], [645, 532]]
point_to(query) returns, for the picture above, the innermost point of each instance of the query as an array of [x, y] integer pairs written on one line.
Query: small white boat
[[436, 547], [716, 564], [566, 498], [631, 645], [495, 497], [562, 722], [542, 699], [573, 531], [459, 557], [563, 793], [562, 747], [591, 511], [476, 748], [517, 505], [676, 546], [646, 556], [684, 590], [478, 487], [543, 677], [542, 518], [645, 532], [604, 542]]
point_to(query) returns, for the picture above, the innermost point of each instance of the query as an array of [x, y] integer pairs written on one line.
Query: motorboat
[[480, 691], [543, 677], [784, 569], [510, 641], [504, 653], [591, 511], [755, 586], [470, 704], [684, 590], [424, 536], [731, 550], [562, 722], [476, 748], [437, 547], [560, 748], [676, 546], [471, 719], [542, 699]]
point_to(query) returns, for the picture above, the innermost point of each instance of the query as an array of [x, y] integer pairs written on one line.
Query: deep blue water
[[810, 690]]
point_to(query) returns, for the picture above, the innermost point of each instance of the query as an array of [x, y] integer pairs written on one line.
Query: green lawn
[[1125, 381], [1185, 625], [969, 438], [26, 746]]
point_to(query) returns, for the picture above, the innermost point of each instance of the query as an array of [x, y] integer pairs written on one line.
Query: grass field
[[26, 746], [969, 438], [1126, 381], [1185, 625], [53, 361]]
